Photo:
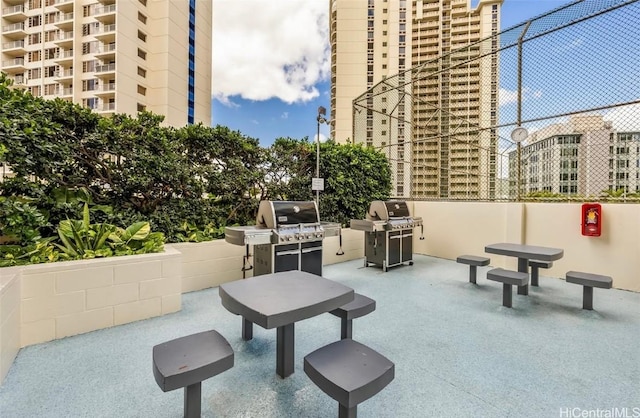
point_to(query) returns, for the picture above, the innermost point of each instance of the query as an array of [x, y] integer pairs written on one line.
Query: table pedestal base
[[523, 267], [247, 329], [285, 350]]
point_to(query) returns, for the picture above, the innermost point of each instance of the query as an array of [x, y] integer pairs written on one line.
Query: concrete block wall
[[209, 264], [9, 318], [352, 246], [455, 228], [68, 298]]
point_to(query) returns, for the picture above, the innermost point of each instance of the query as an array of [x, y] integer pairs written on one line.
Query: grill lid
[[384, 210], [273, 214]]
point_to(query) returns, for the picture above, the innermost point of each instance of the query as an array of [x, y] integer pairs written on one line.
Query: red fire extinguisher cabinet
[[591, 219]]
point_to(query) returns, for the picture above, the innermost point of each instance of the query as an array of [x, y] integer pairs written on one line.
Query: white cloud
[[625, 118], [507, 96], [265, 49], [323, 137], [511, 96], [285, 115]]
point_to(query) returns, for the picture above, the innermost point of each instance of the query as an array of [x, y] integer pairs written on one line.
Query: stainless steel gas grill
[[287, 236], [388, 239]]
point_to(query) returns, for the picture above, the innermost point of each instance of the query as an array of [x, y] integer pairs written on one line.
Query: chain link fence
[[570, 77]]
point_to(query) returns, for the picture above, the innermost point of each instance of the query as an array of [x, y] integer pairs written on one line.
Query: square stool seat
[[185, 362], [349, 372]]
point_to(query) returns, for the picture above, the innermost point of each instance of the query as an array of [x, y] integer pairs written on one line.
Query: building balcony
[[65, 21], [14, 48], [106, 108], [64, 5], [65, 40], [106, 90], [105, 14], [51, 93], [61, 75], [105, 70], [14, 13], [20, 81], [107, 34], [65, 92], [13, 66], [14, 31], [106, 52], [65, 58]]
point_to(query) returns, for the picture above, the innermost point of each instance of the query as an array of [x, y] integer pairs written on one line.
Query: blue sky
[[271, 68]]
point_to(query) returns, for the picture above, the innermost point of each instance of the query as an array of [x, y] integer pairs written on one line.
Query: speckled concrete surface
[[458, 353]]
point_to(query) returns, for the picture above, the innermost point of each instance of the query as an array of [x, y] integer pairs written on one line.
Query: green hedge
[[188, 183]]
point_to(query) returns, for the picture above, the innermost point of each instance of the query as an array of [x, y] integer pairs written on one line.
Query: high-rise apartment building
[[429, 68], [113, 56], [583, 156]]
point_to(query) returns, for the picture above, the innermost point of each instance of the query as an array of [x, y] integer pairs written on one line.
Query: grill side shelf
[[247, 235]]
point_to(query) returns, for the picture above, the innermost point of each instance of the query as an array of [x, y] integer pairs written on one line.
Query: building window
[[34, 38], [34, 73], [89, 66], [90, 28], [142, 90], [89, 85], [50, 71], [35, 21], [142, 36], [192, 63], [50, 18], [51, 35], [51, 53], [142, 54], [142, 18], [141, 107], [142, 72], [143, 2], [34, 56], [91, 103]]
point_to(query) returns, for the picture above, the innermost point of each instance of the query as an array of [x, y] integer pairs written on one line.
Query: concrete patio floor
[[457, 353]]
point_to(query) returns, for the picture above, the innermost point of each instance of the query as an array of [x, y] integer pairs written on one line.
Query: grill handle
[[421, 232], [340, 252]]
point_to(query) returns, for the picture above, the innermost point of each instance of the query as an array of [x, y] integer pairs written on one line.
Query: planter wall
[[45, 302], [73, 297], [9, 318]]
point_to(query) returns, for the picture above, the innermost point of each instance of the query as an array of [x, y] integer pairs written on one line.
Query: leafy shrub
[[20, 221], [189, 183], [81, 239]]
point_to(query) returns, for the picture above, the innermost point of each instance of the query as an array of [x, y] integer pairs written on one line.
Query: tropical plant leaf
[[85, 217], [137, 231], [68, 248]]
